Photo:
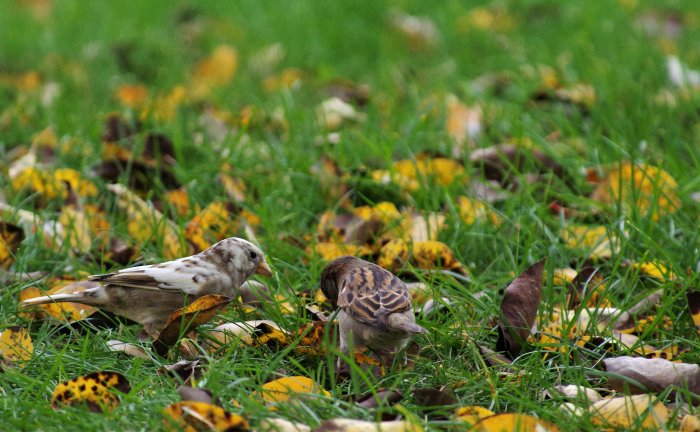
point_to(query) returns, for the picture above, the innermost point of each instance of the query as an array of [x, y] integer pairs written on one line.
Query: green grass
[[597, 43]]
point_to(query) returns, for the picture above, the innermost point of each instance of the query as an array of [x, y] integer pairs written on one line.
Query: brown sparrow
[[149, 294], [375, 308]]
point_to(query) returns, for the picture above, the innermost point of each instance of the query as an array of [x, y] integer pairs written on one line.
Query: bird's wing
[[370, 293], [171, 276]]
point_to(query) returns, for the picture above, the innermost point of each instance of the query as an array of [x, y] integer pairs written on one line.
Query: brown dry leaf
[[193, 416], [639, 188], [640, 411], [128, 348], [654, 375], [595, 240], [473, 210], [472, 414], [16, 347], [434, 397], [10, 238], [501, 162], [351, 425], [693, 298], [290, 388], [519, 309], [217, 70], [95, 390], [132, 96], [64, 311], [513, 422], [184, 320], [145, 223]]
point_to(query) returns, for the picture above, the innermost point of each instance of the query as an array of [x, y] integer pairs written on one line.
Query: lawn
[[507, 131]]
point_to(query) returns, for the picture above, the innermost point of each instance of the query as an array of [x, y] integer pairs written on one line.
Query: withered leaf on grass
[[352, 425], [435, 399], [194, 394], [381, 397], [95, 390], [194, 416], [653, 375], [501, 162], [288, 388], [16, 346], [186, 319], [472, 414], [127, 348], [10, 238], [519, 309]]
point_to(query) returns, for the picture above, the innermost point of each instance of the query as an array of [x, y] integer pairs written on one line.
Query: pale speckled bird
[[149, 294], [375, 308]]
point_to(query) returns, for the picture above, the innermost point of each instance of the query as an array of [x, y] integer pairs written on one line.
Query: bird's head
[[333, 274], [240, 256]]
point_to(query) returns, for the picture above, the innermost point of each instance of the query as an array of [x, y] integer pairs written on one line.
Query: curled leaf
[[351, 425], [638, 412], [651, 375], [283, 389], [513, 422], [519, 309], [187, 319]]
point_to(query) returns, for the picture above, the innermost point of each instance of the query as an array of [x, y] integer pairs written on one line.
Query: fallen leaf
[[217, 70], [284, 389], [282, 425], [641, 188], [253, 333], [690, 423], [194, 394], [16, 347], [513, 422], [653, 375], [10, 238], [474, 210], [351, 425], [95, 390], [128, 348], [693, 298], [519, 309], [464, 125], [655, 269], [573, 391], [379, 398], [640, 411], [146, 224], [131, 95], [329, 251], [193, 416], [501, 162], [472, 414], [334, 112], [595, 240], [420, 32], [184, 320]]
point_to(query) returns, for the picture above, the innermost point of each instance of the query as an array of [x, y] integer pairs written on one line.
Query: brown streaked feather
[[369, 293]]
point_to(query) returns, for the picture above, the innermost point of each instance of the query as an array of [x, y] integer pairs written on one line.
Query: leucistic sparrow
[[375, 308], [149, 294]]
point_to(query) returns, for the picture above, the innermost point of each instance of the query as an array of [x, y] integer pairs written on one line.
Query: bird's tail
[[405, 324], [56, 298]]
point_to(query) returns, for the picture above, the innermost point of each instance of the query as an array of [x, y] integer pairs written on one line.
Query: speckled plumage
[[375, 306], [149, 294]]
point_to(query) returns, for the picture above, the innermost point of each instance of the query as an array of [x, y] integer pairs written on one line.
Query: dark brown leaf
[[188, 393], [381, 397], [502, 162], [519, 309]]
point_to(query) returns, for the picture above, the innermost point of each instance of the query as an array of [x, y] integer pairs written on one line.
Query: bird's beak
[[263, 269]]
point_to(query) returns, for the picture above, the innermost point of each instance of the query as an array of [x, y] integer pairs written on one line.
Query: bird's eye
[[253, 255]]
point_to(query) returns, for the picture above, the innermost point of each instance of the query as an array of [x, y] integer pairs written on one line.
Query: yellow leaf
[[329, 251], [563, 276], [39, 181], [254, 333], [486, 18], [513, 422], [384, 211], [640, 411], [191, 416], [10, 238], [84, 188], [283, 389], [131, 95], [394, 255], [16, 345], [214, 71], [215, 222], [690, 423], [76, 229], [179, 199], [287, 79], [145, 223], [352, 425], [434, 254], [65, 311], [472, 414], [656, 270], [94, 389], [464, 123], [651, 190], [473, 210], [595, 239]]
